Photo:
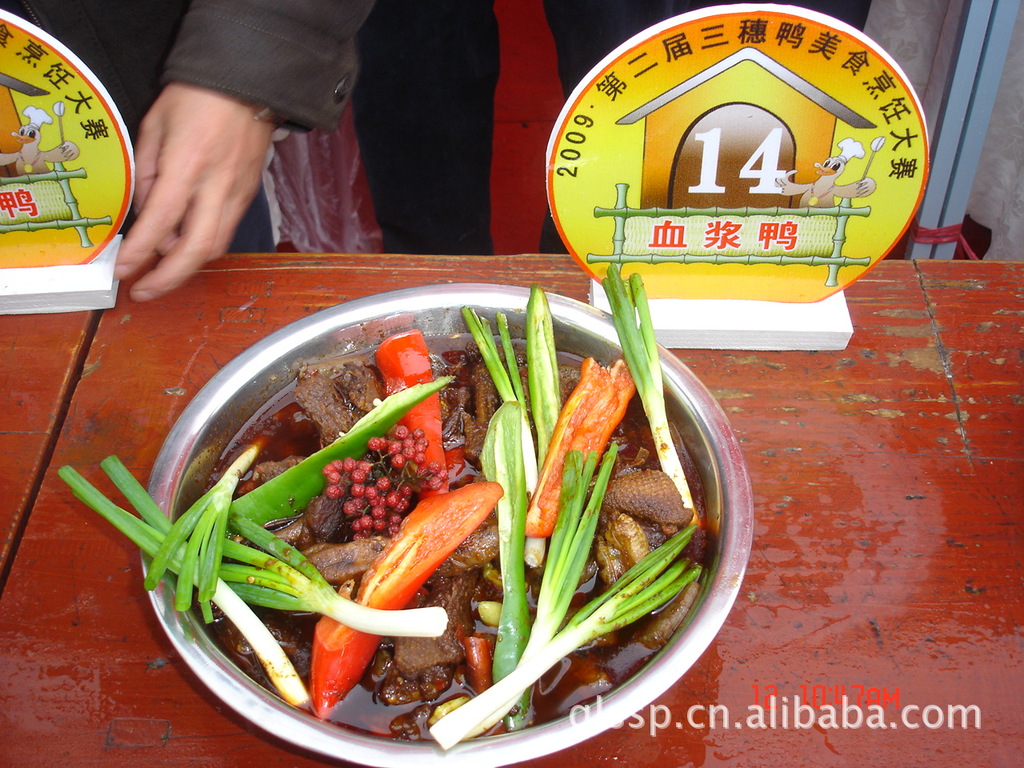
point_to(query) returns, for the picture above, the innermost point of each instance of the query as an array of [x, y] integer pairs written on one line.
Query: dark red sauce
[[283, 429]]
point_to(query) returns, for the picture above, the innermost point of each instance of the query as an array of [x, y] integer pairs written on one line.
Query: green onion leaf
[[632, 318]]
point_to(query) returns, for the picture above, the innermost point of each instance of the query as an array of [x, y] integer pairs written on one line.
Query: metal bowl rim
[[263, 709]]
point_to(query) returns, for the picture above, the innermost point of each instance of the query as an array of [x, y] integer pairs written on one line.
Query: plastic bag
[[316, 183]]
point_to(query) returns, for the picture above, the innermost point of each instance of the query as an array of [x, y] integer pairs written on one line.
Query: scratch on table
[[187, 368], [877, 631], [137, 732], [828, 744], [947, 369]]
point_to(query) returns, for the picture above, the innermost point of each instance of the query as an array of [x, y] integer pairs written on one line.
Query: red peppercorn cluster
[[377, 489]]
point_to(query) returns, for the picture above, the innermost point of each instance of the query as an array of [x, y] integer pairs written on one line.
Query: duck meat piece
[[656, 630], [647, 494], [268, 470], [423, 667], [694, 551], [478, 549], [414, 655], [294, 532], [324, 517], [620, 544], [335, 393], [321, 522], [454, 402], [359, 383], [485, 396], [339, 563], [475, 432], [568, 378], [323, 404], [396, 690]]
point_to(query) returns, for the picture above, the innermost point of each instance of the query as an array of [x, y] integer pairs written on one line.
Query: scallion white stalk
[[280, 577], [275, 662], [632, 318], [643, 588], [296, 585]]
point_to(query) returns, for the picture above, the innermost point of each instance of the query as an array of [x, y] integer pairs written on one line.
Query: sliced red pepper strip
[[403, 360], [585, 423], [479, 657], [428, 535]]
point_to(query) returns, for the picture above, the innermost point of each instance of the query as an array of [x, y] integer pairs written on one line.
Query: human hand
[[198, 164]]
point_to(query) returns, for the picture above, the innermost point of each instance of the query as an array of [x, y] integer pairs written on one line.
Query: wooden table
[[887, 552], [40, 362]]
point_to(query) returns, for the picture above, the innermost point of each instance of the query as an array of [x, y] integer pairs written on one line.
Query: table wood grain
[[887, 552], [40, 357]]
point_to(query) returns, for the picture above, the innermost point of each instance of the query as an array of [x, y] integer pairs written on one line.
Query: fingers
[[198, 164], [205, 233]]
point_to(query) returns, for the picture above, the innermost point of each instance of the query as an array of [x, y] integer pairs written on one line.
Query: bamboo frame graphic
[[77, 221], [833, 261]]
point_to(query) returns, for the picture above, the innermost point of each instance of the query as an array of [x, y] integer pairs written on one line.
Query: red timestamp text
[[834, 695]]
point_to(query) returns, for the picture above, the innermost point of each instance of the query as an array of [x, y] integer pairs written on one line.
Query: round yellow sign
[[65, 158], [741, 152]]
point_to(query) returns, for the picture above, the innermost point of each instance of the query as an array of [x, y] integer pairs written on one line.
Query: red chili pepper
[[586, 422], [403, 360], [428, 535], [479, 659]]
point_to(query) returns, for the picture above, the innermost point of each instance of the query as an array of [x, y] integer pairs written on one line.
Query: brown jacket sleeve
[[297, 57]]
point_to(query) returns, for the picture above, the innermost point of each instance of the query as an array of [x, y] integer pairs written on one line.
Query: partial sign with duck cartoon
[[740, 152], [65, 158]]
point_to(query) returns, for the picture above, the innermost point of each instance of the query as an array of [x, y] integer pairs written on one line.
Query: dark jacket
[[296, 57]]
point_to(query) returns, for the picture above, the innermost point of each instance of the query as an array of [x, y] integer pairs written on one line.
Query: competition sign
[[66, 176], [752, 152]]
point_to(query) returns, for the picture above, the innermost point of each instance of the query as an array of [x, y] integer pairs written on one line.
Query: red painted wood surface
[[887, 553], [39, 355]]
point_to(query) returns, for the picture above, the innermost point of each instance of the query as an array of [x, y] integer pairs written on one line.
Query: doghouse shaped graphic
[[36, 200], [702, 162]]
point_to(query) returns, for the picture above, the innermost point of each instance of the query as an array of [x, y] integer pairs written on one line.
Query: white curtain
[[916, 34]]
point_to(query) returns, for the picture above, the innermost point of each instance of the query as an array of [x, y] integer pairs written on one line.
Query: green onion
[[542, 370], [645, 587], [632, 317], [570, 547], [542, 378], [149, 534], [481, 331], [510, 358], [201, 529], [571, 540], [507, 382], [502, 462], [276, 576]]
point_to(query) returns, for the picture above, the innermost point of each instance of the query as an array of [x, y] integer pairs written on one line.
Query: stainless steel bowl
[[246, 383]]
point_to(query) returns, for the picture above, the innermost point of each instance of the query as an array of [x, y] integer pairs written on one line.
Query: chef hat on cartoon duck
[[850, 148], [37, 117]]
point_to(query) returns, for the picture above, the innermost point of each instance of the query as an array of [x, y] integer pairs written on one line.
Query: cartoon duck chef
[[30, 158], [822, 192]]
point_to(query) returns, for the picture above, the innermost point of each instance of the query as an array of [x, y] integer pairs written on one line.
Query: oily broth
[[283, 430]]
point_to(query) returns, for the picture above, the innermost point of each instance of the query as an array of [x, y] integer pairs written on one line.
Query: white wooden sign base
[[746, 324], [30, 290]]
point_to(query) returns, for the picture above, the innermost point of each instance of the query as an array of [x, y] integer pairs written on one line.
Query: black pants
[[424, 105]]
